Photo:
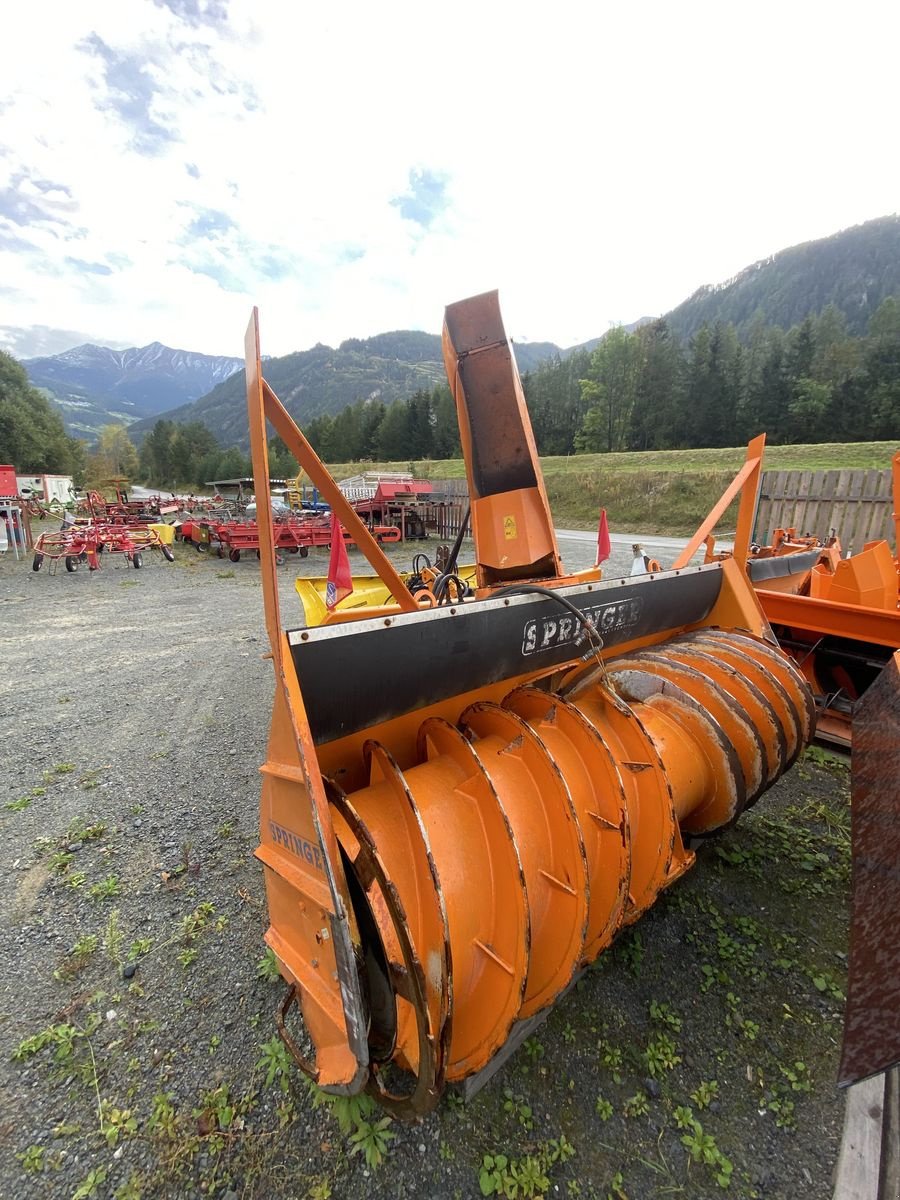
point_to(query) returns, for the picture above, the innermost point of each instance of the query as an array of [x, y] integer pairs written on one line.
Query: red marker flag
[[603, 543], [340, 581]]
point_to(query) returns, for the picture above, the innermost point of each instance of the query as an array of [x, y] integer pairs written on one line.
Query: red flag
[[340, 581], [603, 543]]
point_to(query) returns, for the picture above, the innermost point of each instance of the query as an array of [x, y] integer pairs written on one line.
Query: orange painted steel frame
[[561, 792], [746, 482], [853, 599]]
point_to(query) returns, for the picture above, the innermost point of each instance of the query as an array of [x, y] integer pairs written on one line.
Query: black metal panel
[[782, 565], [358, 675], [501, 458]]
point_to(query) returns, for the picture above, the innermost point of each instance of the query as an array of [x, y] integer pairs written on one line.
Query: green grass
[[827, 456], [661, 491]]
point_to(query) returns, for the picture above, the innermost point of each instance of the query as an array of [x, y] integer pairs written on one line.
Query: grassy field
[[663, 491]]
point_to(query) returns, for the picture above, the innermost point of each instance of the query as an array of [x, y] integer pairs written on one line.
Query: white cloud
[[595, 163]]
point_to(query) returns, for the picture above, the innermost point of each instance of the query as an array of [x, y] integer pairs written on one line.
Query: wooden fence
[[444, 516], [857, 505]]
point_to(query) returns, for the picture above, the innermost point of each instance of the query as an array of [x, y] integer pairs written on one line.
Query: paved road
[[629, 539], [578, 548]]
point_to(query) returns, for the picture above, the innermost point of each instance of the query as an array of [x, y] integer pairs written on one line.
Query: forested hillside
[[646, 391], [855, 270]]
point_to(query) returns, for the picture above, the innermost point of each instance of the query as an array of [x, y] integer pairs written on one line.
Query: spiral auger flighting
[[563, 812], [463, 804]]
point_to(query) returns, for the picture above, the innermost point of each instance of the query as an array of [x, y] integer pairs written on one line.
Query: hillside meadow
[[662, 491]]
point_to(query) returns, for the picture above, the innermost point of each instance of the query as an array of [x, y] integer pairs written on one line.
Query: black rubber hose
[[514, 589], [450, 567]]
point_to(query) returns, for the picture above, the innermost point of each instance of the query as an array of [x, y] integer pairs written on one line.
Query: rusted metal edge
[[872, 1018]]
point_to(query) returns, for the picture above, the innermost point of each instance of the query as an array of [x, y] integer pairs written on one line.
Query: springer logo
[[548, 633]]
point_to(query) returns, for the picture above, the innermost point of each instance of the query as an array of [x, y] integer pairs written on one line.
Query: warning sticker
[[509, 528]]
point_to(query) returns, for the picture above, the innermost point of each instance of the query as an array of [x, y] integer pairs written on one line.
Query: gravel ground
[[135, 1027]]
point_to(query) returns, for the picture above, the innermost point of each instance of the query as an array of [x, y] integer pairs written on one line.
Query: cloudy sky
[[353, 167]]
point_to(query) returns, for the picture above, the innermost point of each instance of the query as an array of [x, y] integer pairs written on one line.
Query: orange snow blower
[[462, 804]]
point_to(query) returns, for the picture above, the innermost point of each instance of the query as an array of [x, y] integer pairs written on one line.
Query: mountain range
[[854, 270], [94, 386]]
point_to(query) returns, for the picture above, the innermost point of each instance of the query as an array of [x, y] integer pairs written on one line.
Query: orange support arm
[[263, 403], [747, 483]]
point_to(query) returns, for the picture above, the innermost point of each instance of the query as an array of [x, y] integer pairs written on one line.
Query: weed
[[702, 1148], [88, 1186], [276, 1062], [18, 805], [38, 791], [637, 1105], [214, 1043], [446, 1151], [75, 879], [226, 830], [79, 832], [139, 947], [662, 1014], [162, 1117], [797, 1076], [116, 1123], [320, 1189], [64, 768], [705, 1093], [372, 1139], [267, 968], [62, 1037], [822, 758], [113, 938], [611, 1057], [225, 575], [528, 1176], [617, 1187], [188, 955], [217, 1109], [534, 1050], [32, 1159], [629, 949], [517, 1106], [603, 1108], [105, 889], [568, 1034], [684, 1117], [661, 1055], [78, 956], [59, 862]]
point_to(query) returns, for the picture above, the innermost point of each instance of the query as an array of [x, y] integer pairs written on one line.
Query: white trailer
[[46, 487]]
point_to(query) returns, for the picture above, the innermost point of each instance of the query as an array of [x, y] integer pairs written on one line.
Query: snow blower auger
[[462, 804]]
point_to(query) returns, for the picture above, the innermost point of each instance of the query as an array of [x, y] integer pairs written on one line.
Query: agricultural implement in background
[[837, 617], [78, 544], [231, 539], [500, 785]]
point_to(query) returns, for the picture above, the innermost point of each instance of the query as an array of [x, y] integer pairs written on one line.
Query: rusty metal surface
[[872, 1019]]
